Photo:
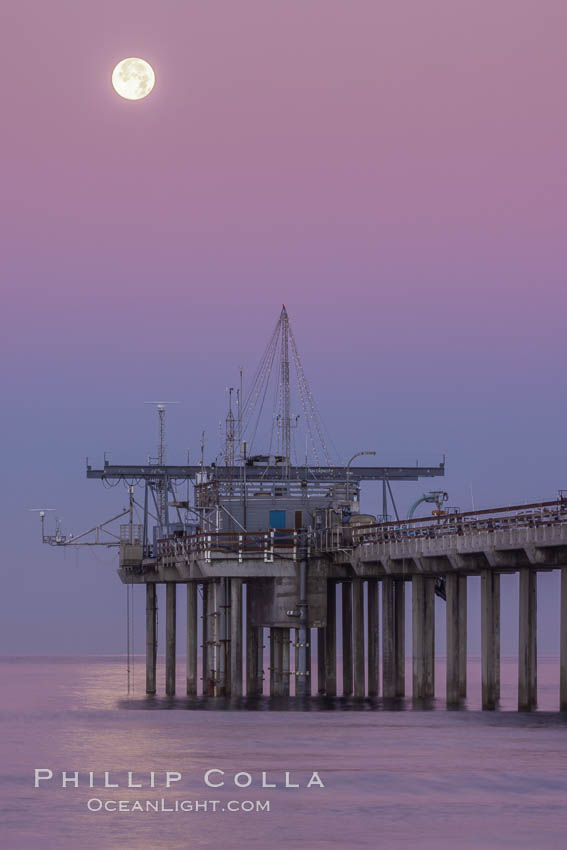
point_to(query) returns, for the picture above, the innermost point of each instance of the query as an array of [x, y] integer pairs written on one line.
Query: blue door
[[277, 519]]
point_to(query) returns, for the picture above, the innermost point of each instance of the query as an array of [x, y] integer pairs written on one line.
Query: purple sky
[[394, 171]]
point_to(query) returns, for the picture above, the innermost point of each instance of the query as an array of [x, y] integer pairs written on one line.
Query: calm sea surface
[[395, 777]]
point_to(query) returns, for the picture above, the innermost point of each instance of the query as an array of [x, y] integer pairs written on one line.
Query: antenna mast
[[162, 486], [285, 393]]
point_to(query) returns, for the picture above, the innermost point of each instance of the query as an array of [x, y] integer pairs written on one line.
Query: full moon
[[133, 78]]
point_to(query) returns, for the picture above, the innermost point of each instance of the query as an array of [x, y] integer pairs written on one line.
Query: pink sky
[[394, 171]]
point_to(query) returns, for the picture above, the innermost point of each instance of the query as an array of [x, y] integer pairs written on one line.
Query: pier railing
[[490, 520], [516, 519], [262, 545]]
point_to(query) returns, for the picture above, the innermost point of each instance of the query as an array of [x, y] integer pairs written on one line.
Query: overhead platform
[[223, 474]]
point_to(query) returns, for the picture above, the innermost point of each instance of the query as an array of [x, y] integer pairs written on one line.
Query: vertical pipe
[[285, 666], [423, 637], [272, 639], [308, 687], [260, 662], [373, 653], [222, 632], [321, 663], [171, 591], [296, 660], [301, 633], [347, 638], [563, 643], [490, 638], [236, 637], [151, 638], [228, 633], [456, 611], [331, 641], [191, 638], [205, 641], [400, 636], [358, 635], [527, 648], [212, 638]]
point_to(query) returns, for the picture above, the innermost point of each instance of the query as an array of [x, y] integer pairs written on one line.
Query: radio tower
[[285, 393], [279, 360], [162, 485]]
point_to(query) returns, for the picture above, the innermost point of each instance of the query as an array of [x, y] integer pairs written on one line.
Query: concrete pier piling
[[331, 641], [236, 637], [192, 638], [456, 632], [151, 637], [388, 639], [254, 652], [347, 638], [372, 638], [563, 643], [527, 645], [423, 636], [170, 629], [400, 636], [393, 637], [358, 636], [212, 644], [490, 638]]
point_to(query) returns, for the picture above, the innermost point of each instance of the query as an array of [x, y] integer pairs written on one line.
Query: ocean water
[[395, 776]]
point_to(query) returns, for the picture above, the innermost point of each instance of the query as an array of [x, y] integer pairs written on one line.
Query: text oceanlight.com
[[188, 806]]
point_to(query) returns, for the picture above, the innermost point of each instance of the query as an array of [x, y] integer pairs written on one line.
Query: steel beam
[[112, 472]]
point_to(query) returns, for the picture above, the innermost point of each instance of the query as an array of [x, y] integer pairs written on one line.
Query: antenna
[[42, 512], [162, 486], [160, 407], [229, 431], [279, 360]]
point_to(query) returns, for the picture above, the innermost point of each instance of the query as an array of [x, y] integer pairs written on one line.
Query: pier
[[350, 570], [272, 554]]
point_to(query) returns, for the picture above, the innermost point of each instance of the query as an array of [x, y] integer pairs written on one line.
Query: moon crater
[[133, 78]]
